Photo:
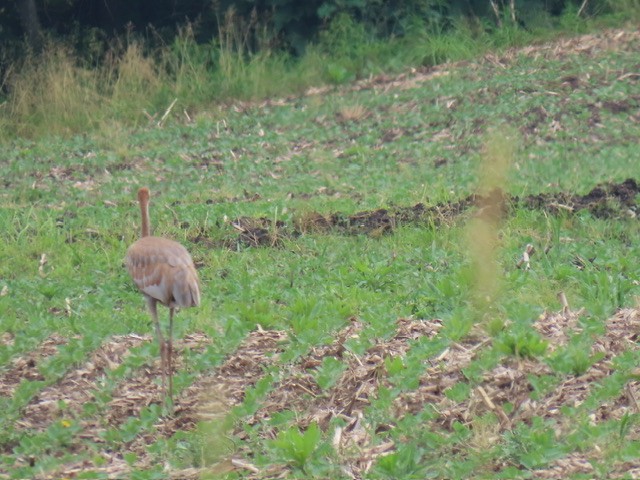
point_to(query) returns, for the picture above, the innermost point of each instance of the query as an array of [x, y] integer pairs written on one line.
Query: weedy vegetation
[[429, 275]]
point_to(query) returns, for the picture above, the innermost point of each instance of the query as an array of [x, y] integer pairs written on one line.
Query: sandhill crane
[[164, 272]]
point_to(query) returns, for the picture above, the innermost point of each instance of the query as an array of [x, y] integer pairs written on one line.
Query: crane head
[[143, 195]]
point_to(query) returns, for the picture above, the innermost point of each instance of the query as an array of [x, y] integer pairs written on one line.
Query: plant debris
[[26, 367], [212, 395]]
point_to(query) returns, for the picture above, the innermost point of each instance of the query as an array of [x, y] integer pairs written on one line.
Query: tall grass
[[131, 83], [627, 9], [53, 94], [50, 94], [187, 66], [56, 93]]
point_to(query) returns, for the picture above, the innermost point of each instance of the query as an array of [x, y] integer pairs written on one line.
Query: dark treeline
[[292, 23]]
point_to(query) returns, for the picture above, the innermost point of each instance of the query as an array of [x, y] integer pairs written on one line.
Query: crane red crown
[[143, 194]]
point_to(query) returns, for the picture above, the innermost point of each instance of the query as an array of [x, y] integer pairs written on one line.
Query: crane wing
[[164, 270]]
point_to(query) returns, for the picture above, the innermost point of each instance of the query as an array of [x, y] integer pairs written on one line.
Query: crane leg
[[152, 303], [170, 353]]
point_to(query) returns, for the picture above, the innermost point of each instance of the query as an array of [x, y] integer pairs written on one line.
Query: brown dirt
[[606, 200], [26, 367]]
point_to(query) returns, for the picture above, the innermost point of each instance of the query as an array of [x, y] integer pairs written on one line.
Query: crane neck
[[144, 210]]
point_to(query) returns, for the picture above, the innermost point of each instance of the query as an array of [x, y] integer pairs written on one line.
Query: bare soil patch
[[26, 366], [606, 200]]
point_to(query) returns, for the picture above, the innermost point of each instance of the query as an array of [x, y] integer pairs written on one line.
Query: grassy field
[[367, 308]]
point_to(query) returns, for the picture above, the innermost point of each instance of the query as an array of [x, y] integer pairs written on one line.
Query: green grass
[[349, 150]]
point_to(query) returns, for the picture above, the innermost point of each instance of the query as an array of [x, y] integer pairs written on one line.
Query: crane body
[[164, 272]]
